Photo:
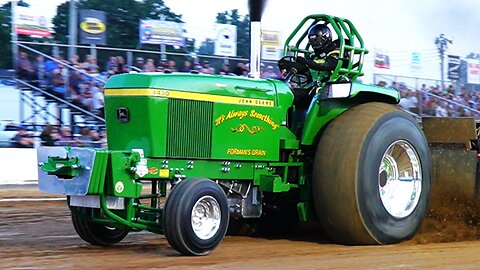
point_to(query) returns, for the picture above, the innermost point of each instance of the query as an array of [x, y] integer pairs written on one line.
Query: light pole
[[72, 29], [442, 45]]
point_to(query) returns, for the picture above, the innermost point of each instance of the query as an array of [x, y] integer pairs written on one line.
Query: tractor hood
[[182, 115], [218, 89]]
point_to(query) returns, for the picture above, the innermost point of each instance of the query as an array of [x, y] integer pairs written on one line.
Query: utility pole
[[72, 29], [442, 45], [163, 47]]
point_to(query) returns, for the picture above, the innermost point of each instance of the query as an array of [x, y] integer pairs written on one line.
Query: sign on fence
[[454, 67], [93, 27], [161, 32], [29, 23]]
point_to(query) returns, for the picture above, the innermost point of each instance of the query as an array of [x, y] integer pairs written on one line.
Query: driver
[[326, 52]]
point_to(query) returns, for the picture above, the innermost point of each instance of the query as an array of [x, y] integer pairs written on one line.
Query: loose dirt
[[39, 235]]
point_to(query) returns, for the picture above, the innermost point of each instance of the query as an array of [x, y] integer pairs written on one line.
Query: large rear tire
[[371, 177], [196, 216], [94, 233]]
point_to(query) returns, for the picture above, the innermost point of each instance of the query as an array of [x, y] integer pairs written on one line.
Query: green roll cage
[[344, 30]]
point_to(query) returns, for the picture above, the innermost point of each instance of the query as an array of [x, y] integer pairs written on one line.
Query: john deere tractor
[[190, 153]]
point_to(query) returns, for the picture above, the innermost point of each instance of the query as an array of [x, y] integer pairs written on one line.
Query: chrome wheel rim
[[206, 217], [400, 179]]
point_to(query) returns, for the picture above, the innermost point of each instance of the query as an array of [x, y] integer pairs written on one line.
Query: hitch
[[65, 168]]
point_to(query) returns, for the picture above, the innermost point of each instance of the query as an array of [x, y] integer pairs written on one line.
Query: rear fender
[[322, 111]]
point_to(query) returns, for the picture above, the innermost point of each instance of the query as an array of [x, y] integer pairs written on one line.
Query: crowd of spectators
[[435, 101], [82, 83], [59, 136]]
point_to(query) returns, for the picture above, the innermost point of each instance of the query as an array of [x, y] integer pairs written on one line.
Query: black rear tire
[[203, 195], [94, 233], [347, 178]]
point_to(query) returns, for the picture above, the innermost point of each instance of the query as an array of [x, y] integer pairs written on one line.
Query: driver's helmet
[[319, 36]]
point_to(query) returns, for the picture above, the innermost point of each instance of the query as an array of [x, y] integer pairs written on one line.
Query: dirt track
[[39, 235]]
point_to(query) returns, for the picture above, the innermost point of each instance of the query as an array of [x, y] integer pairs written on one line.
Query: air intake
[[189, 129]]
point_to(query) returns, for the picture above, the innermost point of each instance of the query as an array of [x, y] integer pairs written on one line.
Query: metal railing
[[422, 93], [59, 61], [61, 101], [130, 53]]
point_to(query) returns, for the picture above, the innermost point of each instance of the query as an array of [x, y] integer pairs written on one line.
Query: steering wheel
[[296, 72]]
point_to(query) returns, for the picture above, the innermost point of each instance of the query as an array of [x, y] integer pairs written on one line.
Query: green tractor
[[189, 154]]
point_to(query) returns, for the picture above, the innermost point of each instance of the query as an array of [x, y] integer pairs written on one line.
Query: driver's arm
[[328, 63]]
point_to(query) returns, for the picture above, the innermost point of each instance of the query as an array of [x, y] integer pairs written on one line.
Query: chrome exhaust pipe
[[255, 49], [256, 9]]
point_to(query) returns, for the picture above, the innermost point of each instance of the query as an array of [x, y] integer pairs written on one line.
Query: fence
[[418, 97], [102, 55]]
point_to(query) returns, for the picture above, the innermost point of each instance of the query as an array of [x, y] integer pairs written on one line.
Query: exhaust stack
[[255, 8]]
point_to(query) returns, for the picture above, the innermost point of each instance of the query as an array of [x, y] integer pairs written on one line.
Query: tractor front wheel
[[94, 233], [196, 216]]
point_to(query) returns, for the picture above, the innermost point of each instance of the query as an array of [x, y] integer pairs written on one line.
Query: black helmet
[[319, 36]]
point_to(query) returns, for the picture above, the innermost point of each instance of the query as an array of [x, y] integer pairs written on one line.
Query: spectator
[[25, 68], [48, 137], [394, 85], [424, 88], [22, 139], [171, 66], [206, 64], [112, 61], [87, 96], [40, 71], [85, 139], [382, 84], [51, 65], [91, 65], [270, 73], [440, 110], [187, 66], [96, 140], [224, 70], [58, 83], [75, 61], [405, 102], [99, 101], [149, 66], [139, 63], [65, 137], [103, 139], [121, 65], [240, 70]]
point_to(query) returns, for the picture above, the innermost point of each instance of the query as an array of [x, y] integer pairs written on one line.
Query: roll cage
[[351, 45]]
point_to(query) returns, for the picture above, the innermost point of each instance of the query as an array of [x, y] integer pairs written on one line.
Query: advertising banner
[[271, 45], [382, 60], [225, 39], [161, 32], [29, 23], [416, 61], [453, 67], [93, 27], [473, 68]]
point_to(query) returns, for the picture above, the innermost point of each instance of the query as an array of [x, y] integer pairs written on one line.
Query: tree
[[5, 30], [243, 29], [207, 47], [122, 19]]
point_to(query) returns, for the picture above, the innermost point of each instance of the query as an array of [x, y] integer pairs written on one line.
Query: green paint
[[63, 167], [216, 127]]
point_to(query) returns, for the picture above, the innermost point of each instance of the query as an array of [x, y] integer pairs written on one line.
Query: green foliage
[[122, 19], [243, 30], [5, 30]]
